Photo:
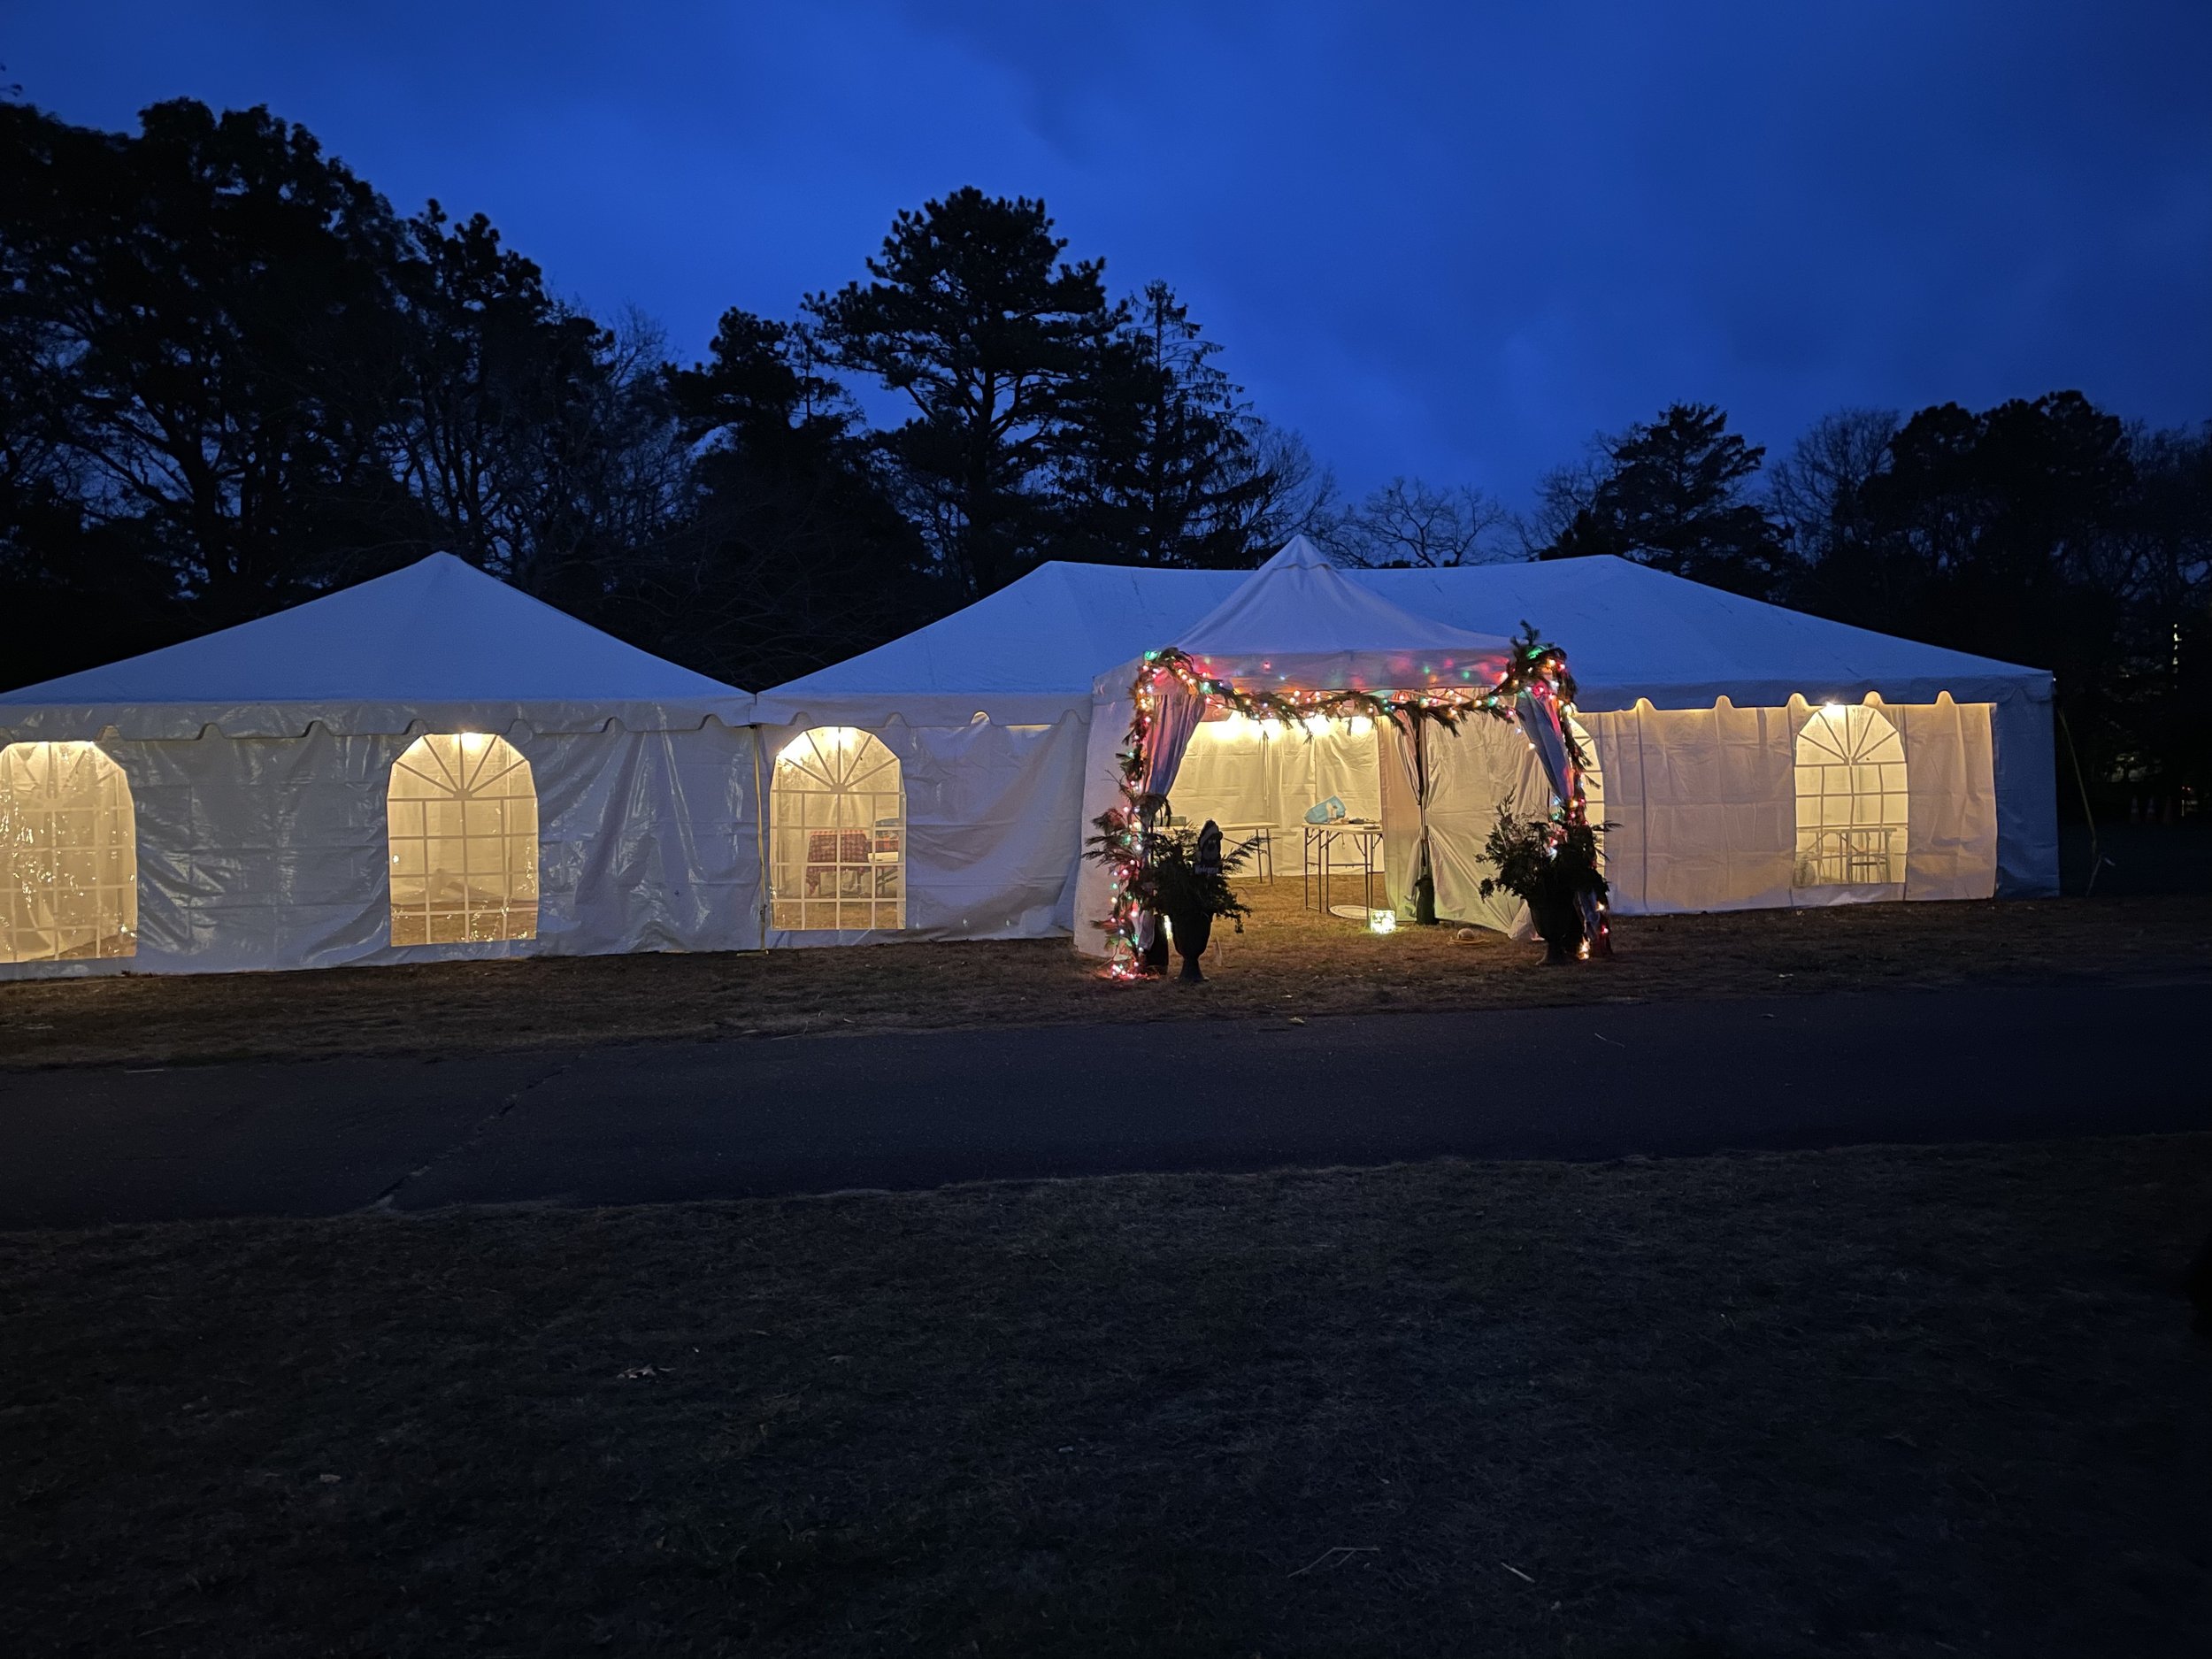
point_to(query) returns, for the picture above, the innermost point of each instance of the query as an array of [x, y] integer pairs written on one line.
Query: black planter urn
[[1558, 922], [1193, 930]]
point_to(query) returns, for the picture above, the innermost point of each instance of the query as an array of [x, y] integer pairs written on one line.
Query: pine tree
[[974, 317], [1672, 493], [1164, 467]]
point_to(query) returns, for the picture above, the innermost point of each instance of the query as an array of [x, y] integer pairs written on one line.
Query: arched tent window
[[1593, 781], [462, 813], [68, 855], [839, 848], [1851, 801]]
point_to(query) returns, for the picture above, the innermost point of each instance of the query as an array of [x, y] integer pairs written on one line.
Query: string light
[[1532, 668]]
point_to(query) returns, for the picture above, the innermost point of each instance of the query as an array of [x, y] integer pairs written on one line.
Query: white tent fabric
[[259, 759], [1473, 769], [1299, 621], [435, 645], [1702, 804], [1636, 635], [987, 712], [1296, 623], [1240, 772], [1026, 654], [990, 833], [1655, 656]]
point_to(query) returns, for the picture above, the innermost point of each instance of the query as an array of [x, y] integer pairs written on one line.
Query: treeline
[[2048, 533], [231, 376]]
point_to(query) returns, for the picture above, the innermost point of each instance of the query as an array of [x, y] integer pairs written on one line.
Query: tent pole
[[1425, 871], [760, 841]]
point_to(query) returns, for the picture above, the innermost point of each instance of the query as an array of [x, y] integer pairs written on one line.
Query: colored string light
[[1533, 669]]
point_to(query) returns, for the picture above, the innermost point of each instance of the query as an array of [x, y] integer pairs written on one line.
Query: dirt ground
[[1287, 959], [1856, 1403]]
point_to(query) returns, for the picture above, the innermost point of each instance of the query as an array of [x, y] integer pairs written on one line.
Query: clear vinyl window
[[1851, 800], [68, 855], [838, 845], [462, 814]]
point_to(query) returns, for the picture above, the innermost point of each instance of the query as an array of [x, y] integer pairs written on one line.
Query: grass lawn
[[1865, 1401], [1286, 957]]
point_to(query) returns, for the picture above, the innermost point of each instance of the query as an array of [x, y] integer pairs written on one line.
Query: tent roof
[[1027, 652], [1032, 650], [1631, 632], [1300, 621], [438, 643]]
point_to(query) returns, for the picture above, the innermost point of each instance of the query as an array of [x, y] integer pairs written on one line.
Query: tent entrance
[[1277, 779], [1266, 776], [1174, 697]]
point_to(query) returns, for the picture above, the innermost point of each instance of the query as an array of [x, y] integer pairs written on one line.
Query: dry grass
[[1317, 965], [1878, 1400]]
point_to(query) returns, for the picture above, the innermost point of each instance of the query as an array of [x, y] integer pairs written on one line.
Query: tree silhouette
[[975, 319], [1674, 494], [1409, 523], [796, 554], [231, 376], [1164, 465], [216, 298]]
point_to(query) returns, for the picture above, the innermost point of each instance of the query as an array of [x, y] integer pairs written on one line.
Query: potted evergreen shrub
[[1551, 866], [1189, 878], [1185, 878]]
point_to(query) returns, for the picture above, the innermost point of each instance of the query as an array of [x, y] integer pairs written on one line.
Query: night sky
[[1449, 241]]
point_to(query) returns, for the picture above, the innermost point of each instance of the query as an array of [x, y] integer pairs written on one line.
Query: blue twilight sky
[[1445, 240]]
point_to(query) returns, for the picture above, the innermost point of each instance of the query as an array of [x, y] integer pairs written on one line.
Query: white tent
[[1712, 714], [1744, 753], [430, 765], [1300, 625], [981, 720]]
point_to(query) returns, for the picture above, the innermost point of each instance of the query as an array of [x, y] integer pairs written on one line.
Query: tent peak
[[438, 639], [1299, 554]]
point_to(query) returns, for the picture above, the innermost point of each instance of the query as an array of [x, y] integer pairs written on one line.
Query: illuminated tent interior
[[1300, 625], [429, 764], [432, 765], [1744, 754]]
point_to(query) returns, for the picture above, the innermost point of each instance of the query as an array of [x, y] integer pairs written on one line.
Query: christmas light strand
[[1534, 668]]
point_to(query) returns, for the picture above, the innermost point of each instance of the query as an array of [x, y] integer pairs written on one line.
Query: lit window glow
[[68, 855], [837, 850], [461, 812], [822, 740], [1852, 804]]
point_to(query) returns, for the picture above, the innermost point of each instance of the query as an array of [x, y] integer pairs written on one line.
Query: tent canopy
[[1033, 650], [1299, 624], [1633, 631], [1028, 652], [1298, 621], [438, 643]]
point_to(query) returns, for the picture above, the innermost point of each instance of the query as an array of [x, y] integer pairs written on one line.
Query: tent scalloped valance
[[184, 723]]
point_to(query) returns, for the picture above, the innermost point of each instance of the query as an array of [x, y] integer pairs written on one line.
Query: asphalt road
[[667, 1121]]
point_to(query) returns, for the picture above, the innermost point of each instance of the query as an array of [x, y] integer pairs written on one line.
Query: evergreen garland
[[1127, 841]]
